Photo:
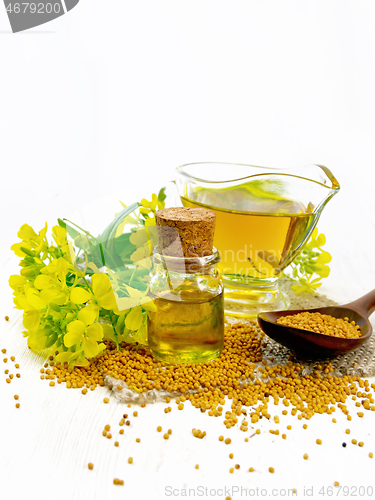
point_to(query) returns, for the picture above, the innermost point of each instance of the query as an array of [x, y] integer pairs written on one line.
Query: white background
[[107, 100], [103, 103]]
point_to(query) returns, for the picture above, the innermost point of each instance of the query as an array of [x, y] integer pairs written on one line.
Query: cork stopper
[[185, 231]]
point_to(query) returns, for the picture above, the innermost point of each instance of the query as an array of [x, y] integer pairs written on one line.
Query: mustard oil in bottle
[[187, 327], [186, 287]]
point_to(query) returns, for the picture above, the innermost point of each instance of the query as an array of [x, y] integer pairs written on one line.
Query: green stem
[[115, 334], [132, 276], [76, 225], [88, 286]]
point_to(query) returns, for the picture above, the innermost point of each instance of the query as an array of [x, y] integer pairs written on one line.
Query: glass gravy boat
[[264, 218]]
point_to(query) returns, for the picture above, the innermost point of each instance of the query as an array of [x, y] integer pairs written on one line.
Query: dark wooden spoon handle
[[365, 305]]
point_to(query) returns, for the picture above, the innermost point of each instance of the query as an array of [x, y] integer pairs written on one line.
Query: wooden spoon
[[317, 344]]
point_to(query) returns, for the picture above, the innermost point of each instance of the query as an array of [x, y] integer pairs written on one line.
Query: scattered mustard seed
[[90, 465], [198, 433]]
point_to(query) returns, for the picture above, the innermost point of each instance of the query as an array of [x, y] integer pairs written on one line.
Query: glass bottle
[[188, 326]]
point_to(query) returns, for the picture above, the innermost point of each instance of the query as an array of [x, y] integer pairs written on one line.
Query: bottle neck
[[186, 265]]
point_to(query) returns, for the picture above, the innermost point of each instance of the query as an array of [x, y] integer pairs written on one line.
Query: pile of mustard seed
[[239, 374], [322, 323]]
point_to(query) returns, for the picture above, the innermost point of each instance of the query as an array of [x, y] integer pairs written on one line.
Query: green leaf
[[124, 248], [70, 230], [122, 242], [109, 232], [107, 239], [161, 195], [138, 284], [82, 241]]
